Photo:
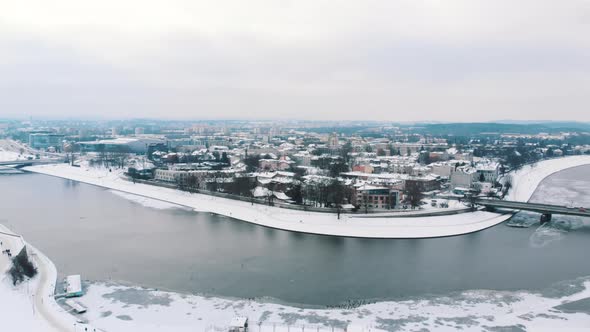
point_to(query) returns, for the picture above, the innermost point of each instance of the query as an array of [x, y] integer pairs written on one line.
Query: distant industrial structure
[[120, 144], [44, 141]]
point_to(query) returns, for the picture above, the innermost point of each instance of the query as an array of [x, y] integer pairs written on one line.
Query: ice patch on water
[[568, 187], [546, 234], [568, 223], [476, 310], [147, 202], [523, 219]]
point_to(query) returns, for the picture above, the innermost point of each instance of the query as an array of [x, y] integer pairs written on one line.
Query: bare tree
[[412, 194]]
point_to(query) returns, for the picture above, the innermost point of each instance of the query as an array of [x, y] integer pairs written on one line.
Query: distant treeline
[[474, 129], [459, 129]]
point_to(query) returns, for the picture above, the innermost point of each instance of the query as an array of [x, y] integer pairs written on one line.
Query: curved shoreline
[[524, 183], [42, 296], [526, 180], [285, 219]]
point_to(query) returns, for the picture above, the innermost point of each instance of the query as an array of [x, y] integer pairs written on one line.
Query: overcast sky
[[372, 60]]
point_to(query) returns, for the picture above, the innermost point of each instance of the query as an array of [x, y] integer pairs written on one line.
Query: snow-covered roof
[[280, 195], [260, 192], [370, 187], [287, 174], [452, 151], [268, 175], [264, 180], [122, 141], [488, 167]]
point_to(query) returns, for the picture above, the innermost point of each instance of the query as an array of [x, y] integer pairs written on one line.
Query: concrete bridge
[[32, 162], [546, 210]]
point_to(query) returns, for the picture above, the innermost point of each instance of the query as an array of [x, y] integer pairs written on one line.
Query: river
[[103, 236]]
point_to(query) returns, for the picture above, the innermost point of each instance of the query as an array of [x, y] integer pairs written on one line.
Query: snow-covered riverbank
[[123, 308], [290, 220], [30, 306], [526, 180]]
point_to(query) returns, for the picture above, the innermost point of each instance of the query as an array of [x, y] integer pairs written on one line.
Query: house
[[442, 169], [275, 164], [303, 157], [371, 197], [425, 183], [392, 181], [275, 181], [488, 172], [463, 176], [363, 168]]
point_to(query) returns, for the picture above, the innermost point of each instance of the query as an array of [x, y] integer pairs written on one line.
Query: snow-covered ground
[[117, 308], [526, 180], [145, 201], [13, 156], [11, 150], [30, 306], [291, 220], [17, 307]]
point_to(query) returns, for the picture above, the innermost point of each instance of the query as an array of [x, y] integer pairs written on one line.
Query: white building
[[442, 169], [489, 171], [121, 144], [463, 177]]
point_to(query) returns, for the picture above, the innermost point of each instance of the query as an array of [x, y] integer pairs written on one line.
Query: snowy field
[[291, 220]]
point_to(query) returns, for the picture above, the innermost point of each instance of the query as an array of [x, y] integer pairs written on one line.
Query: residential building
[[489, 172], [463, 177], [372, 197]]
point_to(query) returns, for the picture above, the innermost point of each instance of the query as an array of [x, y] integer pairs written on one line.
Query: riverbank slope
[[30, 305], [524, 183], [285, 219], [526, 180]]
